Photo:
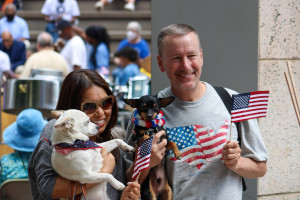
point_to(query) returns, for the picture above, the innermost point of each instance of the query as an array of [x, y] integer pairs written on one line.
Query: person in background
[[134, 40], [87, 91], [128, 61], [212, 164], [45, 58], [22, 135], [74, 51], [15, 49], [55, 10], [16, 25], [130, 5], [98, 45]]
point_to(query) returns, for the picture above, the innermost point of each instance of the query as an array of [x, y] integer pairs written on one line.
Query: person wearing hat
[[74, 51], [22, 135]]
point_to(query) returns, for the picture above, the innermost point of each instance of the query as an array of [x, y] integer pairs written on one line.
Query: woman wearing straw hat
[[22, 135]]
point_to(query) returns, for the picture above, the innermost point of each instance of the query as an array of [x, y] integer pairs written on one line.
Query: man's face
[[10, 13], [7, 41], [182, 60]]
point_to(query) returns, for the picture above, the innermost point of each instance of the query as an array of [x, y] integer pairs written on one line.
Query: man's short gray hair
[[44, 39], [174, 29]]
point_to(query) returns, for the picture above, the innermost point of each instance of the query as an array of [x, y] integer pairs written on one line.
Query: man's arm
[[245, 167]]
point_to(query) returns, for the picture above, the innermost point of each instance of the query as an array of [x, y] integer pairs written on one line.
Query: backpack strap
[[227, 100]]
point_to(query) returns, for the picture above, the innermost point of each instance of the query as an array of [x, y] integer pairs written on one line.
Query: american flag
[[249, 105], [198, 144], [143, 157]]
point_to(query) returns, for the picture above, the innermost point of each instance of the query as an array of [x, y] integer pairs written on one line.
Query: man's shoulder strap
[[227, 100]]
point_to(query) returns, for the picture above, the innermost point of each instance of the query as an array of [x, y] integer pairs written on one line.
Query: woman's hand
[[132, 191], [108, 162], [158, 149]]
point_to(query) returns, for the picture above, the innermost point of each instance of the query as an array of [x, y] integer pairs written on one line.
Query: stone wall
[[279, 41]]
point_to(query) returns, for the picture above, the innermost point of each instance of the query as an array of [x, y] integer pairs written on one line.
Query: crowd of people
[[64, 43]]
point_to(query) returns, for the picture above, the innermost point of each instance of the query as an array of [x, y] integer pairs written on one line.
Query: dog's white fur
[[83, 165]]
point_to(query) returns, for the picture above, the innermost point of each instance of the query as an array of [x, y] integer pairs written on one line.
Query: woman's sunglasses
[[90, 107]]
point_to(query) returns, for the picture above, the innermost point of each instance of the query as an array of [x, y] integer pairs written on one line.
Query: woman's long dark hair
[[98, 33], [70, 97]]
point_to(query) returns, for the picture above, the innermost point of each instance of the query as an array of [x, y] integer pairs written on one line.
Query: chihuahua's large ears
[[56, 113], [163, 102], [132, 102], [66, 123]]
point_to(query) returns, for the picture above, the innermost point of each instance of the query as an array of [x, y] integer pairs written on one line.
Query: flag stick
[[137, 178], [293, 86], [230, 131], [293, 99]]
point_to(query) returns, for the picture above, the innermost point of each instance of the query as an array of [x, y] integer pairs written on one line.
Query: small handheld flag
[[249, 105], [143, 157]]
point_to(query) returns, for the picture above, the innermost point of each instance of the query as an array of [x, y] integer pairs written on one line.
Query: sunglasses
[[90, 107]]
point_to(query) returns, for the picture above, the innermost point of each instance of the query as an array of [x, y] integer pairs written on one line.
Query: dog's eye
[[154, 105], [145, 104]]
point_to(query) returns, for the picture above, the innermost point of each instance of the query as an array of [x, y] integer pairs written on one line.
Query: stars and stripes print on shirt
[[143, 157], [249, 105], [198, 144]]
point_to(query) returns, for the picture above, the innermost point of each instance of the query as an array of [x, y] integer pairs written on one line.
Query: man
[[198, 121], [16, 25], [45, 58], [74, 50], [15, 50]]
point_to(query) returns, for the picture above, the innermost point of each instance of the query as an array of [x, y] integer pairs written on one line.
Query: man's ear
[[160, 65]]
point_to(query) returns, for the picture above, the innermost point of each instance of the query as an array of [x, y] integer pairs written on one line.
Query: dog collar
[[65, 148], [140, 121]]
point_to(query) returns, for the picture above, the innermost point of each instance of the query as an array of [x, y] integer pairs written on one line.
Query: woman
[[98, 49], [79, 87]]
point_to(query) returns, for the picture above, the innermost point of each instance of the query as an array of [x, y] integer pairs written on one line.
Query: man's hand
[[108, 162], [231, 154], [132, 191], [158, 149]]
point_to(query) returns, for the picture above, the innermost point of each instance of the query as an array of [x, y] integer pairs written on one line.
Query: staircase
[[114, 18]]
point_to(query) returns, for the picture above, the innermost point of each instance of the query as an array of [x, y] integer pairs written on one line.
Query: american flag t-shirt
[[198, 144], [143, 157], [249, 105]]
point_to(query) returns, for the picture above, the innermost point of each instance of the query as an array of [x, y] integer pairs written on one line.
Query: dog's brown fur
[[156, 183]]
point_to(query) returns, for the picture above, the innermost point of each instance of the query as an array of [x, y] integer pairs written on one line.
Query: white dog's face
[[74, 124]]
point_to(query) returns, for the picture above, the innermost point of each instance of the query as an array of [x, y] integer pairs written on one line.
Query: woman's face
[[100, 117]]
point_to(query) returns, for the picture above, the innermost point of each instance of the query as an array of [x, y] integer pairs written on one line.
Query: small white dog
[[76, 158]]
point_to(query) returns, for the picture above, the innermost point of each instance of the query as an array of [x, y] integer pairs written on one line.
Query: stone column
[[279, 41]]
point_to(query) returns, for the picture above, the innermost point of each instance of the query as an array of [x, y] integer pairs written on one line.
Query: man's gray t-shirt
[[201, 129]]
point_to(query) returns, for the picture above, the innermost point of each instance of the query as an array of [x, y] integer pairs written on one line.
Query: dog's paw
[[119, 186], [178, 157], [130, 149]]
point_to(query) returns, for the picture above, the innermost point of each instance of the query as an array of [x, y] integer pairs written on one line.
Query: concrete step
[[111, 20], [89, 5]]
